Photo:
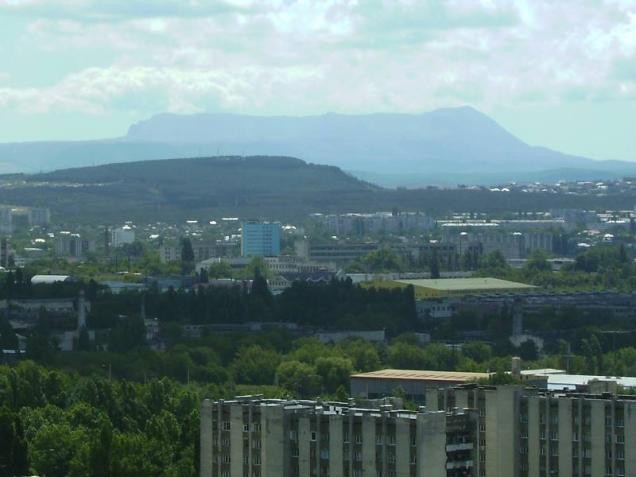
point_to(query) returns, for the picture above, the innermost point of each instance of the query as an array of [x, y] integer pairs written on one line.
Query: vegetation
[[253, 186]]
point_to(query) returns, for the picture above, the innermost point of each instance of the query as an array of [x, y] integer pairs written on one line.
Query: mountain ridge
[[430, 148]]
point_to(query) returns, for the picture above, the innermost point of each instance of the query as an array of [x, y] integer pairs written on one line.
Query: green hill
[[178, 188], [281, 188]]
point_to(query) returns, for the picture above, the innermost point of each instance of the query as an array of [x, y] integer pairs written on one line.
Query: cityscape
[[317, 239]]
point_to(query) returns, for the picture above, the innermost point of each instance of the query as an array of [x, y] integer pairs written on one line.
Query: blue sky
[[556, 73]]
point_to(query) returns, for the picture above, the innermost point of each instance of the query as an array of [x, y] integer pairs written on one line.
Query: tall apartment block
[[256, 437], [260, 239], [527, 432]]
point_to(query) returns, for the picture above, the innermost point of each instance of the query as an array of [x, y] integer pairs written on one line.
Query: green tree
[[187, 256], [334, 371], [528, 351], [220, 270], [299, 378], [255, 365], [13, 445]]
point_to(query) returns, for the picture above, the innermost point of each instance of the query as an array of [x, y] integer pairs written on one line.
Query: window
[[226, 425], [313, 435]]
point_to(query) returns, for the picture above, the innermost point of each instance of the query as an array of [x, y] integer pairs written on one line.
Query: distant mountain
[[456, 145]]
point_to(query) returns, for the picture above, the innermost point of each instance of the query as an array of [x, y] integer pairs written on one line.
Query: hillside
[[267, 187], [178, 188], [446, 146]]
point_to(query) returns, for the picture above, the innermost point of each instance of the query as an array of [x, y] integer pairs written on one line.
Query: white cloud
[[302, 56]]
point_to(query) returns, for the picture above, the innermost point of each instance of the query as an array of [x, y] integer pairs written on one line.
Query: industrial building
[[256, 437], [413, 383], [463, 286]]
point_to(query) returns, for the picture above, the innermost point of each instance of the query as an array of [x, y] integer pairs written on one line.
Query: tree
[[382, 260], [220, 270], [477, 351], [538, 263], [528, 351], [363, 355], [406, 356], [8, 338], [255, 365], [187, 256], [299, 378], [13, 445], [334, 371], [494, 264]]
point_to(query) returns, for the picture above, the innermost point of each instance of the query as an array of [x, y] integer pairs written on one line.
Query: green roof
[[466, 284]]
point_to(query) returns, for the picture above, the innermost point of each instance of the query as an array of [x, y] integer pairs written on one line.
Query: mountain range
[[445, 146]]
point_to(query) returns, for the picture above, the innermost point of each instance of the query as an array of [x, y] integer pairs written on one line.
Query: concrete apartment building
[[120, 236], [526, 432], [260, 239], [372, 223], [203, 250], [256, 437], [335, 251], [15, 216], [72, 245]]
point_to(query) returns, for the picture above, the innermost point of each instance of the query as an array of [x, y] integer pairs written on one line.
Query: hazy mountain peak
[[432, 147]]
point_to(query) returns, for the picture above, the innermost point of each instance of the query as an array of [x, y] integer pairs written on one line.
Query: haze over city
[[335, 238]]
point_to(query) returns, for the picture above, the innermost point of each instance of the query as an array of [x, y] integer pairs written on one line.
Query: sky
[[560, 74]]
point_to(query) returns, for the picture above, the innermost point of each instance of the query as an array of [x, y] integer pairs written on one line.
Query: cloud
[[302, 56], [117, 10], [96, 90]]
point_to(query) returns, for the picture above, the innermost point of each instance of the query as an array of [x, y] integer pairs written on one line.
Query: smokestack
[[515, 368]]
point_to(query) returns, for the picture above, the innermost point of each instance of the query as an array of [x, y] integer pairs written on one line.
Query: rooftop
[[557, 379], [466, 284], [424, 375]]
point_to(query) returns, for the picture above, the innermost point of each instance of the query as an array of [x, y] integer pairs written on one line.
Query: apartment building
[[338, 252], [202, 250], [526, 432], [260, 239], [121, 236], [378, 222], [256, 437], [72, 245]]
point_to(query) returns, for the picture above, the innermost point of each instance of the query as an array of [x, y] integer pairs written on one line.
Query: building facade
[[72, 245], [526, 432], [338, 252], [260, 239], [203, 250], [122, 236], [256, 437]]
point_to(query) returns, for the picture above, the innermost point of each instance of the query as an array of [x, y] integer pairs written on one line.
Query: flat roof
[[557, 380], [424, 375], [466, 284]]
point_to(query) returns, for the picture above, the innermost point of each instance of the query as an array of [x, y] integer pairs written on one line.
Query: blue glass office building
[[260, 239]]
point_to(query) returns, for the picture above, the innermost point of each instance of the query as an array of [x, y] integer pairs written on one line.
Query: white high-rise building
[[122, 236]]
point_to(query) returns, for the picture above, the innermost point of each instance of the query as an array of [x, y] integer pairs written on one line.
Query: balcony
[[459, 464], [463, 446]]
